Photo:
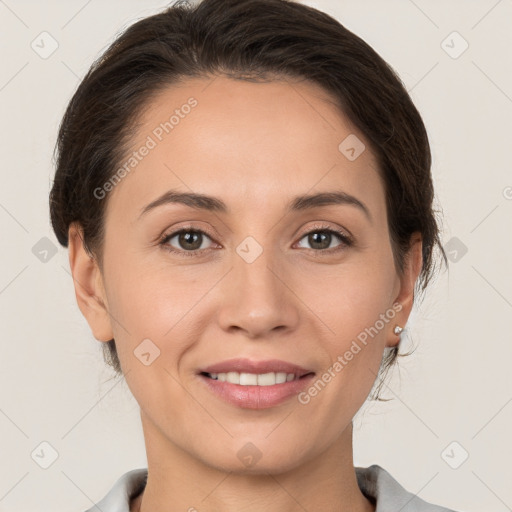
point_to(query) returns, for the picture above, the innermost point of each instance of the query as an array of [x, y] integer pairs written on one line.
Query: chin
[[251, 458]]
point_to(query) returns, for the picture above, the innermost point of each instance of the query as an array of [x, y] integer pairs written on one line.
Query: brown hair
[[242, 39]]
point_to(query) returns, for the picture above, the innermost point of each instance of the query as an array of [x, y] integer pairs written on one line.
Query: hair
[[252, 40]]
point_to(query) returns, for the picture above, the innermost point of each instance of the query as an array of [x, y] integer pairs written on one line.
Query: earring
[[398, 330]]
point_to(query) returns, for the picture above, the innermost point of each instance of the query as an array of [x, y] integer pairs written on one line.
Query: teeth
[[253, 379], [268, 379], [232, 377], [248, 379]]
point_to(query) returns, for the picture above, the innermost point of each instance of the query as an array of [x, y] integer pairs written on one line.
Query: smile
[[253, 379]]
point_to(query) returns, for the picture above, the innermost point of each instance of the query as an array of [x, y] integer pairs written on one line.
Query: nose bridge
[[254, 268], [258, 300]]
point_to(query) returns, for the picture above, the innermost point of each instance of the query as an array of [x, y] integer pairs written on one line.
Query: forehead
[[245, 141]]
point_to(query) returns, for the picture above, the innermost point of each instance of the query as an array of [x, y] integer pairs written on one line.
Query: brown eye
[[320, 239], [187, 240]]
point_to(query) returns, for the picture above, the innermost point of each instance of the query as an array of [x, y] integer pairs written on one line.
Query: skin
[[255, 146]]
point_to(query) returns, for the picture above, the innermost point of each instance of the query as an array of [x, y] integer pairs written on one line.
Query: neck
[[178, 482]]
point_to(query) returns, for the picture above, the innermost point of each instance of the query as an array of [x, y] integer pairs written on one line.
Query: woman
[[245, 191]]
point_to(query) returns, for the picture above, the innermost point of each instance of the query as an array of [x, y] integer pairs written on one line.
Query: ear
[[89, 288], [412, 268]]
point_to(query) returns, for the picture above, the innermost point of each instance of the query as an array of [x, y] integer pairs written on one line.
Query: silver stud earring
[[398, 330]]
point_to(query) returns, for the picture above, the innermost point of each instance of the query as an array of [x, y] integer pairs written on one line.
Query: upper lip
[[250, 366]]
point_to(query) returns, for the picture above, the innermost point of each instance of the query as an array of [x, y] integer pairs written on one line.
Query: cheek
[[350, 297], [355, 302], [154, 301], [356, 308], [152, 307]]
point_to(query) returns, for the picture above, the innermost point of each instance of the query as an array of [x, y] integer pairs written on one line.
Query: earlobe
[[412, 268], [88, 283]]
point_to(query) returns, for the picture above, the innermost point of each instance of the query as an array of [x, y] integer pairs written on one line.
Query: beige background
[[455, 387]]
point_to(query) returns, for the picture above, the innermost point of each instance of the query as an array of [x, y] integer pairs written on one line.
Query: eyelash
[[342, 236]]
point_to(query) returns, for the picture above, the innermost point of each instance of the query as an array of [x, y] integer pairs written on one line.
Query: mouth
[[255, 384], [255, 379]]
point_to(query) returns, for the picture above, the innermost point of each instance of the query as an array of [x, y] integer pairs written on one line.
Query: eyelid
[[187, 227], [319, 226]]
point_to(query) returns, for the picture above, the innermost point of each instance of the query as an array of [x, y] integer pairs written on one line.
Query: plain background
[[456, 387]]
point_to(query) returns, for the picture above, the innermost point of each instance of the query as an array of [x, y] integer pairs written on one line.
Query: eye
[[189, 241], [321, 237]]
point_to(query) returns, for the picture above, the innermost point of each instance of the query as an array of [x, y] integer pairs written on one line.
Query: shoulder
[[124, 489], [375, 482]]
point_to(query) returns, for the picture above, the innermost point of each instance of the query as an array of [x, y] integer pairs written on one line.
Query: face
[[251, 276]]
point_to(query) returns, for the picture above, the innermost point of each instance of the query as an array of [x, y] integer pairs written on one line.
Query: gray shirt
[[374, 481]]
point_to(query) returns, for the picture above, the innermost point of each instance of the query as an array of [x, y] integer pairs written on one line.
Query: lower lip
[[256, 397]]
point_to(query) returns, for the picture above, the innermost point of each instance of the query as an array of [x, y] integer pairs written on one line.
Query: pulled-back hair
[[258, 40]]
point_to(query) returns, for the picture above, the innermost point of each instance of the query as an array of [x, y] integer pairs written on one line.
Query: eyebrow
[[214, 204]]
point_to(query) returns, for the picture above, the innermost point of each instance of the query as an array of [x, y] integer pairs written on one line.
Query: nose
[[257, 297]]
